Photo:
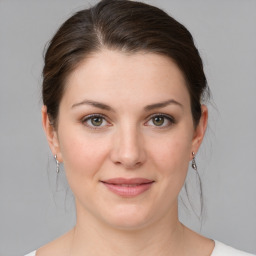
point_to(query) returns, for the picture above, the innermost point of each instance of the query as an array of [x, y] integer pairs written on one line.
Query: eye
[[95, 121], [160, 120]]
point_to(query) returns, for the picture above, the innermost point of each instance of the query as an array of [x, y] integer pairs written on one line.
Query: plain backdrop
[[36, 207]]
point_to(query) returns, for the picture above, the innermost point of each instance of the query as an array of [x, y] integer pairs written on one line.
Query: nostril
[[128, 150], [132, 165]]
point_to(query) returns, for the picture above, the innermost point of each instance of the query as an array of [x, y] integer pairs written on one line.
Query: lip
[[128, 187]]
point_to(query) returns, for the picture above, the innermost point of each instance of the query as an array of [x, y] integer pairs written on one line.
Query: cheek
[[83, 155], [171, 155]]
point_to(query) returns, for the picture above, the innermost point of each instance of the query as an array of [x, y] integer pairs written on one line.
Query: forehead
[[112, 75]]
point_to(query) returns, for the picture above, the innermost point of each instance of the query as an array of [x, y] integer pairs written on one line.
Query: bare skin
[[143, 128], [195, 245]]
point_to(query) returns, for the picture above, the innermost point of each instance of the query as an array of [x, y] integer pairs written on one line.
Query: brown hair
[[126, 26]]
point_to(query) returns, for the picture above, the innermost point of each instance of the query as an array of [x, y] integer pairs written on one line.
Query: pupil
[[97, 121], [158, 120]]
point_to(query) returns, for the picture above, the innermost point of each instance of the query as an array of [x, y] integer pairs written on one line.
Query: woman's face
[[125, 135]]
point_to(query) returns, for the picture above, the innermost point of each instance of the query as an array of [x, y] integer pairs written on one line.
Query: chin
[[128, 218]]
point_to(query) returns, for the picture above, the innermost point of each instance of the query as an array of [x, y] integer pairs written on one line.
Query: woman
[[123, 110]]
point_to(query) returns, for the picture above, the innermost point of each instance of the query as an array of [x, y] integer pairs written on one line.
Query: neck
[[91, 237]]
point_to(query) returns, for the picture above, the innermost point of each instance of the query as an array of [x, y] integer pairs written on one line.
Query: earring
[[57, 164], [194, 166]]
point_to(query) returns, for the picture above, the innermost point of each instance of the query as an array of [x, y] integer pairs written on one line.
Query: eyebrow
[[162, 104], [94, 104], [146, 108]]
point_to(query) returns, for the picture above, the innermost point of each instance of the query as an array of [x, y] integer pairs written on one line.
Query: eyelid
[[170, 118], [88, 117]]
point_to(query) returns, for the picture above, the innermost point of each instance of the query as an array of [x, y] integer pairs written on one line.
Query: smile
[[128, 187]]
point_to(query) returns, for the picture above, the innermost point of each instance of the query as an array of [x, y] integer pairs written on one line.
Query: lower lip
[[128, 191]]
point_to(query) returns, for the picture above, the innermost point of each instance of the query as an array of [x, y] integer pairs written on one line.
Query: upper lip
[[119, 181]]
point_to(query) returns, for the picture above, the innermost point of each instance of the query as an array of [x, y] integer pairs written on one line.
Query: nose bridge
[[128, 146]]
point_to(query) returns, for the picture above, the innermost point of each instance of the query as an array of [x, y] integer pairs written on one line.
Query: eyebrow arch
[[162, 104], [146, 108], [94, 104]]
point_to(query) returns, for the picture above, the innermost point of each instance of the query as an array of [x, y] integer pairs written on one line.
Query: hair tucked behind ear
[[126, 26]]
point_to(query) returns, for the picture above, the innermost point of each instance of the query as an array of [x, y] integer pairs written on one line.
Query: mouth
[[128, 187]]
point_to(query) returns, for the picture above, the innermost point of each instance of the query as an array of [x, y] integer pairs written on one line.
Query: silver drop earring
[[194, 166], [57, 164]]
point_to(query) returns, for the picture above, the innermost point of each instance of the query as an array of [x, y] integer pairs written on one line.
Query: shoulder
[[31, 254], [57, 247], [221, 249]]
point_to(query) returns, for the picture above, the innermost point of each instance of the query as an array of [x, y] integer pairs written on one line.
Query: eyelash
[[169, 118], [90, 117]]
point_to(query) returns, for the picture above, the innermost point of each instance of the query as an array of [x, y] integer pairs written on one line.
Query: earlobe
[[51, 134], [200, 129]]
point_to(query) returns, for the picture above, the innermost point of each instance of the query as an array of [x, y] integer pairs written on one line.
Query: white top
[[220, 249], [31, 254]]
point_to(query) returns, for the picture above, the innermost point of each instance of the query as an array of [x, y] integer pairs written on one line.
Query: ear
[[200, 130], [51, 134]]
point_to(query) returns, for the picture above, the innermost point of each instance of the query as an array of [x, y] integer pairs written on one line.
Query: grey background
[[36, 208]]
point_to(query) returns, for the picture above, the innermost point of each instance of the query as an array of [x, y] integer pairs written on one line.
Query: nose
[[128, 148]]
